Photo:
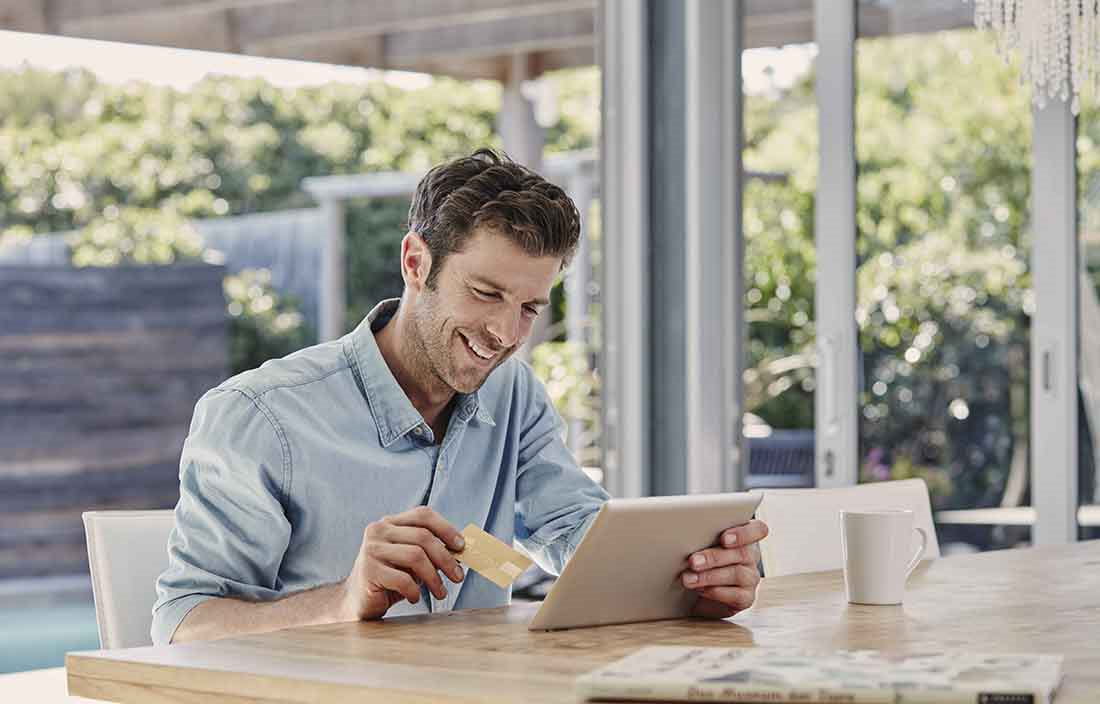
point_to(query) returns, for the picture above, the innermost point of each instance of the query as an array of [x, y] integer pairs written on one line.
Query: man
[[327, 486]]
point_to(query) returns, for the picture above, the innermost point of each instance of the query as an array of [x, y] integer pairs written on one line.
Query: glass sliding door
[[1088, 300], [780, 161], [944, 301]]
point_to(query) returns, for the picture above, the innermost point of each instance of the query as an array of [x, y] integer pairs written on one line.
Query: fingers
[[720, 557], [396, 580], [733, 597], [410, 558], [752, 532], [401, 552], [737, 545], [432, 546], [734, 575], [424, 517]]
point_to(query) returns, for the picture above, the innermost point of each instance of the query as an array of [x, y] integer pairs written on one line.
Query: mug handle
[[917, 555]]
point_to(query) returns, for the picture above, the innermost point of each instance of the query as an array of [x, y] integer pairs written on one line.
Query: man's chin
[[471, 381], [469, 385]]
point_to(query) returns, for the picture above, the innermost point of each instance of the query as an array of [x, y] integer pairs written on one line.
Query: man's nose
[[504, 328]]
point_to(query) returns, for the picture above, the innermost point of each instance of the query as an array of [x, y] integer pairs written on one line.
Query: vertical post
[[576, 284], [1054, 327], [333, 289], [521, 135], [836, 402], [523, 141], [624, 187], [736, 331], [667, 155], [576, 279], [714, 277]]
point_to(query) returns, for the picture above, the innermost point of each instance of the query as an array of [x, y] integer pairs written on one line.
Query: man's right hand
[[398, 554]]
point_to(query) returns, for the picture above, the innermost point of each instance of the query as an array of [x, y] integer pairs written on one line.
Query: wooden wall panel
[[99, 373]]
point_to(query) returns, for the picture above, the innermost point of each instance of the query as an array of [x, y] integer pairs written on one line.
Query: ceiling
[[462, 38]]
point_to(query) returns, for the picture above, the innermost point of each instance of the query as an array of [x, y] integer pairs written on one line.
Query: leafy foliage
[[263, 324], [574, 390], [943, 285], [126, 165], [135, 236]]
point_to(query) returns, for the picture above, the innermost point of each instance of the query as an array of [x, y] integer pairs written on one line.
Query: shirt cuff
[[168, 617]]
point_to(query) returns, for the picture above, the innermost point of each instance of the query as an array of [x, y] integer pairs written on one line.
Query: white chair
[[127, 551], [804, 524]]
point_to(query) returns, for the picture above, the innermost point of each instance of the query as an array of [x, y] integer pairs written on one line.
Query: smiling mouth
[[478, 352]]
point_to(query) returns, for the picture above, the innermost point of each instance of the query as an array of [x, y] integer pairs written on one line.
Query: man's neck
[[428, 395]]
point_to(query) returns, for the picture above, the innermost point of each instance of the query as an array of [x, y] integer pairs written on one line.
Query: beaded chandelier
[[1057, 39]]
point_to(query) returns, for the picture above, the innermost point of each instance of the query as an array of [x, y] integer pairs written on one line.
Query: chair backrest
[[804, 524], [127, 551]]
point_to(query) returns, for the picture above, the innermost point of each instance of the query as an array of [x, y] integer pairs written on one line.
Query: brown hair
[[490, 190]]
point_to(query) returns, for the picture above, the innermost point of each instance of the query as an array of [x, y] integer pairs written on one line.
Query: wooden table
[[1043, 600]]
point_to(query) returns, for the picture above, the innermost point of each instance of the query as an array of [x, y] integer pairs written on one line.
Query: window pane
[[780, 161], [943, 285], [1088, 370]]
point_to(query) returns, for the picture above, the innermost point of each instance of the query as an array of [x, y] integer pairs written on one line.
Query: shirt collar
[[393, 412]]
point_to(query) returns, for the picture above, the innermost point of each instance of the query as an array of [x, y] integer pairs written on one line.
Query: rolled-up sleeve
[[231, 531], [556, 501]]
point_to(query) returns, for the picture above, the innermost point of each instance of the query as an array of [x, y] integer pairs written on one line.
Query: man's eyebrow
[[492, 284]]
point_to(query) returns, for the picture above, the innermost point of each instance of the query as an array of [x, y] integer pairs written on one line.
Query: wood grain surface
[[1041, 600]]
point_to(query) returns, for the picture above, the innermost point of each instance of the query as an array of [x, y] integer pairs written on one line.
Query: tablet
[[627, 568]]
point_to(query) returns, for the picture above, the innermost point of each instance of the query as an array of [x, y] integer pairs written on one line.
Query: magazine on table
[[783, 676]]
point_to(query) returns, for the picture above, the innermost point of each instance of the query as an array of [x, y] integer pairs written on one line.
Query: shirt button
[[418, 430]]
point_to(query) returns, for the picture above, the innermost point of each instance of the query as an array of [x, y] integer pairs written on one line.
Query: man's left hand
[[725, 576]]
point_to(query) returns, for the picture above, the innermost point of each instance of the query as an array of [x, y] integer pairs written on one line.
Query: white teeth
[[484, 354]]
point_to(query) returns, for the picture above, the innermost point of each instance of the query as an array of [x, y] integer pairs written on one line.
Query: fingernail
[[691, 579], [457, 575], [460, 542], [698, 561], [730, 540]]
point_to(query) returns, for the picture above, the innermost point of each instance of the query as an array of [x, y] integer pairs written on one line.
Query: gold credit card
[[490, 557]]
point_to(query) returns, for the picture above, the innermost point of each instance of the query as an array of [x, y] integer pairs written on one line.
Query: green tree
[[125, 164], [942, 286]]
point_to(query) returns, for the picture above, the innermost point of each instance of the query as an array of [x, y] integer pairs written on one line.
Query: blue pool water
[[39, 635]]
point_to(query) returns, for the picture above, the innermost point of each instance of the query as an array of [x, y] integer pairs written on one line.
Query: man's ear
[[416, 261]]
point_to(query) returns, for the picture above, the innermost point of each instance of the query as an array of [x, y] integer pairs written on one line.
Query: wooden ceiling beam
[[464, 51], [512, 35], [203, 28], [74, 12], [25, 16], [342, 19], [354, 51]]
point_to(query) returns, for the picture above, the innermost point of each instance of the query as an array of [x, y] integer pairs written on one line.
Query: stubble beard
[[433, 348]]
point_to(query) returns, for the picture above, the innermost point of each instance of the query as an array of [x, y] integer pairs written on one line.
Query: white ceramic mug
[[879, 554]]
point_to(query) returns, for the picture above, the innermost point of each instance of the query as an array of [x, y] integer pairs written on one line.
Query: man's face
[[485, 300]]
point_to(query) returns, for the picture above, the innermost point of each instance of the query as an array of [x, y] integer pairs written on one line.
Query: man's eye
[[531, 310], [486, 294]]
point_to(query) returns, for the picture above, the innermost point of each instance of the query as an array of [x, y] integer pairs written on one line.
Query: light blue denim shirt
[[285, 466]]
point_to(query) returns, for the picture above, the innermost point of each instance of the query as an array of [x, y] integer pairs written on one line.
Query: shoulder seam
[[259, 391], [284, 445], [303, 383]]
